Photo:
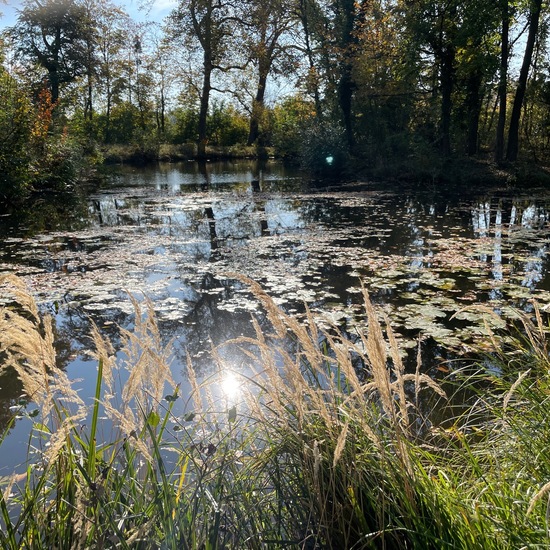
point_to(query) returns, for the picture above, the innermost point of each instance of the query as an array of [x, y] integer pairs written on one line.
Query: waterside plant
[[316, 453]]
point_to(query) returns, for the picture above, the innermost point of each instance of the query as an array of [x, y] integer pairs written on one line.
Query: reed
[[316, 455]]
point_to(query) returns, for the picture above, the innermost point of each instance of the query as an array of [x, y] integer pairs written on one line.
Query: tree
[[270, 49], [455, 49], [111, 24], [54, 34], [345, 21], [439, 31], [308, 13], [476, 66], [90, 64], [161, 65], [512, 149], [207, 26], [386, 79], [503, 79], [104, 20], [330, 45]]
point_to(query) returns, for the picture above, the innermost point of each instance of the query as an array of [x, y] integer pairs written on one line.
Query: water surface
[[178, 233]]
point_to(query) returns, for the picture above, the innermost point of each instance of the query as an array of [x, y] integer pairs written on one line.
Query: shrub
[[15, 129], [183, 125], [323, 150], [226, 126], [289, 119]]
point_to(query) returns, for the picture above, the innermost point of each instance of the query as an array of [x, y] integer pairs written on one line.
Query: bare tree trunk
[[447, 83], [205, 100], [54, 85], [503, 82], [345, 97], [89, 113], [162, 112], [513, 132], [108, 117], [346, 84], [474, 99], [257, 110]]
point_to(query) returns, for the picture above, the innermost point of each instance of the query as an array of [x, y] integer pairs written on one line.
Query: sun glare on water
[[230, 385]]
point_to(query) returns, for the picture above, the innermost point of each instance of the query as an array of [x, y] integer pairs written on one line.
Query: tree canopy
[[382, 82]]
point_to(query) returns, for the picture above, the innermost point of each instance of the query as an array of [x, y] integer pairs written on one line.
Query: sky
[[158, 10]]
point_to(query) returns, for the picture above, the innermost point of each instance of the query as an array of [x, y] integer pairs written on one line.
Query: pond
[[178, 233]]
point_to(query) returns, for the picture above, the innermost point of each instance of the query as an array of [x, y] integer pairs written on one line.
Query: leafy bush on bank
[[36, 155]]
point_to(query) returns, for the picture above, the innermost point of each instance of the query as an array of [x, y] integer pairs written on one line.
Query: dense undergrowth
[[315, 455]]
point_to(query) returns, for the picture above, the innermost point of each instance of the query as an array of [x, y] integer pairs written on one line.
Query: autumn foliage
[[43, 117], [34, 154]]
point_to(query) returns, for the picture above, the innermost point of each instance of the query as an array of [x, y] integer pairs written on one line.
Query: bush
[[226, 126], [58, 165], [289, 119], [183, 125], [34, 154], [15, 131], [323, 150]]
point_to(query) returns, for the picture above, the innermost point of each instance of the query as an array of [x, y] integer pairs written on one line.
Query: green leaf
[[232, 414], [153, 419], [42, 429]]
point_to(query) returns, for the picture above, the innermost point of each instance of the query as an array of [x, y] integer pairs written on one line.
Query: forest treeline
[[385, 84]]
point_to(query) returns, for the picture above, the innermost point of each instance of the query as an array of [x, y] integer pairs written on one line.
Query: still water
[[177, 234]]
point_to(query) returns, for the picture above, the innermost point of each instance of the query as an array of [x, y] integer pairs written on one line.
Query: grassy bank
[[314, 455], [166, 152], [431, 174], [456, 173]]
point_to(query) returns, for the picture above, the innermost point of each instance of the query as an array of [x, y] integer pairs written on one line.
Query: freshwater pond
[[177, 234]]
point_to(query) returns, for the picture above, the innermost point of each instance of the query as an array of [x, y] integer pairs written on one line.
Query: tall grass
[[316, 455]]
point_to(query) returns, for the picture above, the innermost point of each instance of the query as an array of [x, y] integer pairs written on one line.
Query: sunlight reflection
[[231, 385]]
